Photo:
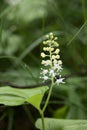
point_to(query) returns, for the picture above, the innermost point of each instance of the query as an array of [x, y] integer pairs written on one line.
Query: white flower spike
[[52, 65]]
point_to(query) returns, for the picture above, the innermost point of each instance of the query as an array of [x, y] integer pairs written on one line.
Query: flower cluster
[[52, 65]]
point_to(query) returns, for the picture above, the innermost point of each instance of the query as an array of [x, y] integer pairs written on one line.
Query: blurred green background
[[23, 26]]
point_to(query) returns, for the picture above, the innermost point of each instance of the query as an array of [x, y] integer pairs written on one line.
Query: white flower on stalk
[[43, 62], [60, 80], [47, 62], [44, 72], [43, 55], [57, 67], [59, 62], [52, 64], [57, 51], [55, 61], [52, 73], [45, 77]]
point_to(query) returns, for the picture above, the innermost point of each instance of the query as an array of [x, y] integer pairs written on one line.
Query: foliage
[[23, 27], [58, 124], [14, 96]]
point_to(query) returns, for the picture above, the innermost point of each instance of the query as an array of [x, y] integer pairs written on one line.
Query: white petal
[[60, 80], [45, 77]]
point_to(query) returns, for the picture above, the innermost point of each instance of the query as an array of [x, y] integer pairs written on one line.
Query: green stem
[[46, 103], [49, 94], [42, 119]]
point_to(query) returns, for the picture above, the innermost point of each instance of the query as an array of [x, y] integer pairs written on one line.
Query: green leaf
[[14, 96], [78, 126], [60, 112], [61, 124], [10, 100], [34, 100]]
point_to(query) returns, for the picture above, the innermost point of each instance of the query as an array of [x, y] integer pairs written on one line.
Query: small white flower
[[44, 72], [55, 38], [57, 66], [52, 73], [47, 36], [51, 35], [45, 77], [43, 55], [55, 61], [60, 80], [44, 42], [44, 48], [52, 49], [43, 62], [47, 62], [59, 62], [57, 56], [57, 51], [53, 57], [56, 44]]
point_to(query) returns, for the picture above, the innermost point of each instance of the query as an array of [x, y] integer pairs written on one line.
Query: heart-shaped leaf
[[61, 124], [15, 96]]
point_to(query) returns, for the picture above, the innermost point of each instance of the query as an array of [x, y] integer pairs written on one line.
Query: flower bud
[[43, 55]]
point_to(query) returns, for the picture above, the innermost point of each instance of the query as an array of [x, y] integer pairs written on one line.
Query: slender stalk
[[46, 103], [42, 119], [49, 94]]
